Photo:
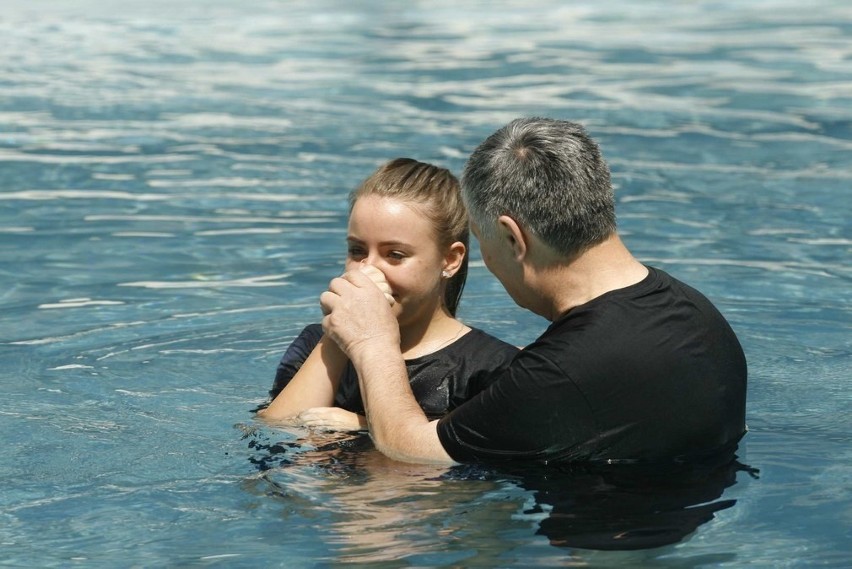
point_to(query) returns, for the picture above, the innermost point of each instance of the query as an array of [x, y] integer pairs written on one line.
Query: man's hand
[[358, 312]]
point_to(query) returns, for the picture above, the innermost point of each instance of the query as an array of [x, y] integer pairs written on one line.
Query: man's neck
[[603, 268]]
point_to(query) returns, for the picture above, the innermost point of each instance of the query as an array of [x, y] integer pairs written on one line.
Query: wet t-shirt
[[441, 381], [649, 372]]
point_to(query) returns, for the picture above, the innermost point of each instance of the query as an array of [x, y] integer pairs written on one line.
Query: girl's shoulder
[[482, 341]]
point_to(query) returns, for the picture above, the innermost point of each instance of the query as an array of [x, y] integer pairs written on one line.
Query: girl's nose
[[370, 259]]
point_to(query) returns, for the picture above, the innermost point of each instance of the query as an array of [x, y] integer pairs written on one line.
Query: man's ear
[[454, 257], [512, 232]]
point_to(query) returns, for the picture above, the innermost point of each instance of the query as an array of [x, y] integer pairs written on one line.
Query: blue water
[[173, 178]]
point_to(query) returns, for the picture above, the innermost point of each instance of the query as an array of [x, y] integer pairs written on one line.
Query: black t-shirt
[[441, 381], [650, 372]]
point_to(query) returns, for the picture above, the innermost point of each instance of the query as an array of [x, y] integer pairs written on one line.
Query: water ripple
[[173, 196]]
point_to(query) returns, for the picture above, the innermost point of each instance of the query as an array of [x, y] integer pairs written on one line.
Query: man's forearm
[[397, 424], [359, 318]]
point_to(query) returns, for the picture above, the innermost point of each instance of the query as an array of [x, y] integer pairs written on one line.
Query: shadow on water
[[629, 507], [604, 508]]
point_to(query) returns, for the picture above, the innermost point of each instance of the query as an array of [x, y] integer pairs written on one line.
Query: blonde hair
[[435, 192]]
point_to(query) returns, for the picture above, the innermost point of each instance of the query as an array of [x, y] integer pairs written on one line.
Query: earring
[[445, 274]]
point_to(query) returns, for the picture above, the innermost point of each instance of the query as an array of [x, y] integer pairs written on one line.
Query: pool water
[[173, 181]]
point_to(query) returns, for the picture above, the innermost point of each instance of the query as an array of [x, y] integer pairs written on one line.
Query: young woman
[[408, 229]]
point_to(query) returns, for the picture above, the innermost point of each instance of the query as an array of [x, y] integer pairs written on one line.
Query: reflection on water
[[629, 507], [378, 503]]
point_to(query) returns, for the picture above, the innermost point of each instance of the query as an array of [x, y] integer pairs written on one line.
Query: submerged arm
[[333, 419]]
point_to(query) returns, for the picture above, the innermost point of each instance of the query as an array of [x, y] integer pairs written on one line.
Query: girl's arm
[[314, 385], [333, 419]]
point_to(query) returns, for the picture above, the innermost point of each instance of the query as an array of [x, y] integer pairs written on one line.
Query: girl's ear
[[454, 257], [514, 236]]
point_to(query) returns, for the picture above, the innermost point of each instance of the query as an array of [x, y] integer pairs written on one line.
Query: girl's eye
[[356, 253], [396, 255]]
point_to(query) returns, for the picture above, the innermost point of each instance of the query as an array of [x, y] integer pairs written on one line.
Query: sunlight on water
[[174, 196]]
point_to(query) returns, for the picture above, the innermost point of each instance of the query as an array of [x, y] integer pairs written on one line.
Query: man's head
[[548, 175]]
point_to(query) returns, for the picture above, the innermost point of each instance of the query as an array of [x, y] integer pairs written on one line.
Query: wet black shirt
[[441, 381], [650, 372]]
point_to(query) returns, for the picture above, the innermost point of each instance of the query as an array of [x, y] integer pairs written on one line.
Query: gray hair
[[549, 176]]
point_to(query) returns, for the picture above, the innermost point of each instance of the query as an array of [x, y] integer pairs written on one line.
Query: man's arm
[[358, 318], [397, 424]]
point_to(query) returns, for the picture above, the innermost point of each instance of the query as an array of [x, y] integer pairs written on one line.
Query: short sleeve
[[481, 363], [532, 411], [295, 356]]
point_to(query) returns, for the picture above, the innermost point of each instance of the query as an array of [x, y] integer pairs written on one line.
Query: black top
[[650, 372], [441, 381]]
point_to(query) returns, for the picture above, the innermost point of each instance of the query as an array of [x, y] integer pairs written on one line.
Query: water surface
[[173, 180]]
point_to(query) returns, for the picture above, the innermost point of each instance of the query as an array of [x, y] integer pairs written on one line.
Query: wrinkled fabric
[[441, 381], [650, 372]]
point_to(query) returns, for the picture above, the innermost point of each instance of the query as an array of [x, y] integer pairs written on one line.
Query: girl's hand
[[378, 278], [333, 419]]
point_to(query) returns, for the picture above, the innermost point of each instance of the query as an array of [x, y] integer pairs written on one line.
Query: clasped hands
[[357, 310], [375, 275]]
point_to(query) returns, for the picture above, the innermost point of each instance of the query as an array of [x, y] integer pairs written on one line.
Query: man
[[635, 367]]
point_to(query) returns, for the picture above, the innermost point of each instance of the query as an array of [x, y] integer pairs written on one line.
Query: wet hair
[[549, 176], [436, 193]]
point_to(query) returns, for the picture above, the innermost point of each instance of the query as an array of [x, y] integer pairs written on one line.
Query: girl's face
[[392, 236]]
